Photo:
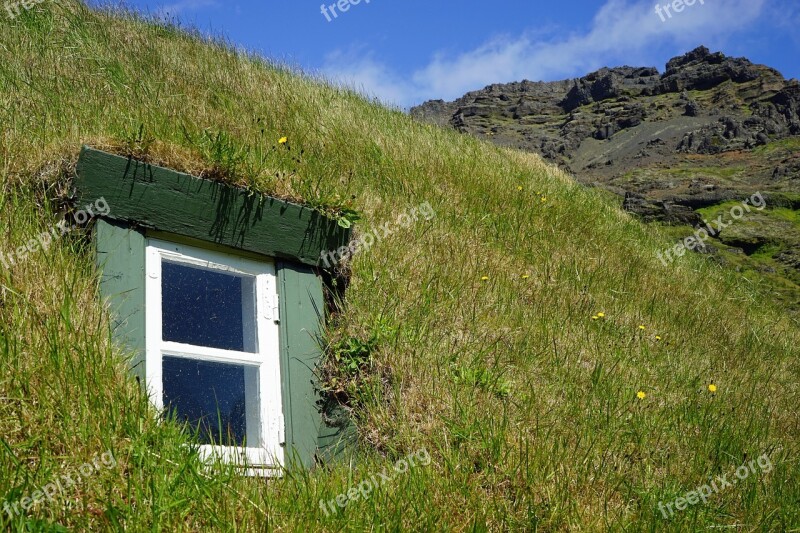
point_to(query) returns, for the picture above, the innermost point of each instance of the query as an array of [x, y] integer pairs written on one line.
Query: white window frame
[[268, 457]]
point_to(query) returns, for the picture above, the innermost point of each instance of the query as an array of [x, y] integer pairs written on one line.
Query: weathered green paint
[[161, 199], [120, 259], [302, 313], [337, 434], [316, 431]]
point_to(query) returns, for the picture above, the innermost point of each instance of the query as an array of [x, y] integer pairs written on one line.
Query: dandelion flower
[[485, 278], [658, 337], [641, 395], [642, 327], [712, 388], [595, 317], [601, 315], [525, 276], [544, 198], [283, 140], [519, 188]]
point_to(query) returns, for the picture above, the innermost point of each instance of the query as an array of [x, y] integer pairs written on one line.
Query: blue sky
[[408, 51]]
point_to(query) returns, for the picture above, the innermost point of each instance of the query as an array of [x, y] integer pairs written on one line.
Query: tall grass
[[527, 405]]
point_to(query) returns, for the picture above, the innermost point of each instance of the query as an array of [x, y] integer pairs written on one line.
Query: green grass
[[527, 406], [789, 215], [788, 145], [692, 172]]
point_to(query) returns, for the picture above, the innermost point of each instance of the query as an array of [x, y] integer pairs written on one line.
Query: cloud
[[357, 69], [622, 32]]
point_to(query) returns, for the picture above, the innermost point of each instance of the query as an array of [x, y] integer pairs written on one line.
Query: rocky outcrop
[[612, 123], [700, 70], [668, 212], [705, 135], [609, 83]]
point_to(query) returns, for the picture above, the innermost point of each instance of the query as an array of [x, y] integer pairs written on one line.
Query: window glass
[[208, 308], [215, 398]]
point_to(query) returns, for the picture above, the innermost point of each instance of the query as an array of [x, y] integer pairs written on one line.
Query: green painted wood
[[317, 431], [120, 259], [338, 436], [165, 200], [302, 314]]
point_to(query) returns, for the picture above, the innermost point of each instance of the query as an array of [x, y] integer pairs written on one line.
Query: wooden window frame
[[269, 453]]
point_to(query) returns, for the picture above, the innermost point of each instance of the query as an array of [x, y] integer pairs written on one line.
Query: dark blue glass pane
[[205, 308], [211, 397]]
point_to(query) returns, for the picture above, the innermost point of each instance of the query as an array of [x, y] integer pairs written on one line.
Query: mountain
[[679, 147]]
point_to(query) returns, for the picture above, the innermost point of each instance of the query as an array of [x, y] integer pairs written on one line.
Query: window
[[213, 352], [200, 327]]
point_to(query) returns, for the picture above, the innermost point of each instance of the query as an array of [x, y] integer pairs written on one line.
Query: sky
[[405, 52]]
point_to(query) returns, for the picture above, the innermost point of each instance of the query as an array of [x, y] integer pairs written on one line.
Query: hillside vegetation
[[711, 129], [508, 336]]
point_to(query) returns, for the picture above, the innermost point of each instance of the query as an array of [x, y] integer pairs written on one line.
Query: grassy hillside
[[484, 350]]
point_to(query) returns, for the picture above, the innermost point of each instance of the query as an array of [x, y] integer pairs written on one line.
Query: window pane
[[208, 308], [219, 399]]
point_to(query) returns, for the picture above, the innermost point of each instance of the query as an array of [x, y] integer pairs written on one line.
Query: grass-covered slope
[[484, 349]]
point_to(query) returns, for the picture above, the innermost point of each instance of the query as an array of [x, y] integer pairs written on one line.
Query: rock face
[[660, 210], [710, 129], [707, 102]]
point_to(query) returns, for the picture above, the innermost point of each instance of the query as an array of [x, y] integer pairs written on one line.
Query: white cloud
[[622, 32], [358, 70]]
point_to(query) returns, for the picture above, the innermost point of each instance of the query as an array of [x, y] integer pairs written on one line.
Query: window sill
[[253, 462]]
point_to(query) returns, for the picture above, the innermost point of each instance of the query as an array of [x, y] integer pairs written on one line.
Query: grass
[[715, 172], [789, 215], [527, 407], [787, 146]]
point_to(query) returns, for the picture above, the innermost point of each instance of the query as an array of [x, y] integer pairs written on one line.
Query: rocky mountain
[[678, 147]]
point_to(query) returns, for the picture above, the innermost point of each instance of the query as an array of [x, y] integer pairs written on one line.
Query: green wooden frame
[[148, 201], [157, 198]]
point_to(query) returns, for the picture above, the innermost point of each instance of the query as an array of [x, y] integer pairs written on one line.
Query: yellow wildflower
[[283, 140], [712, 388], [641, 395]]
